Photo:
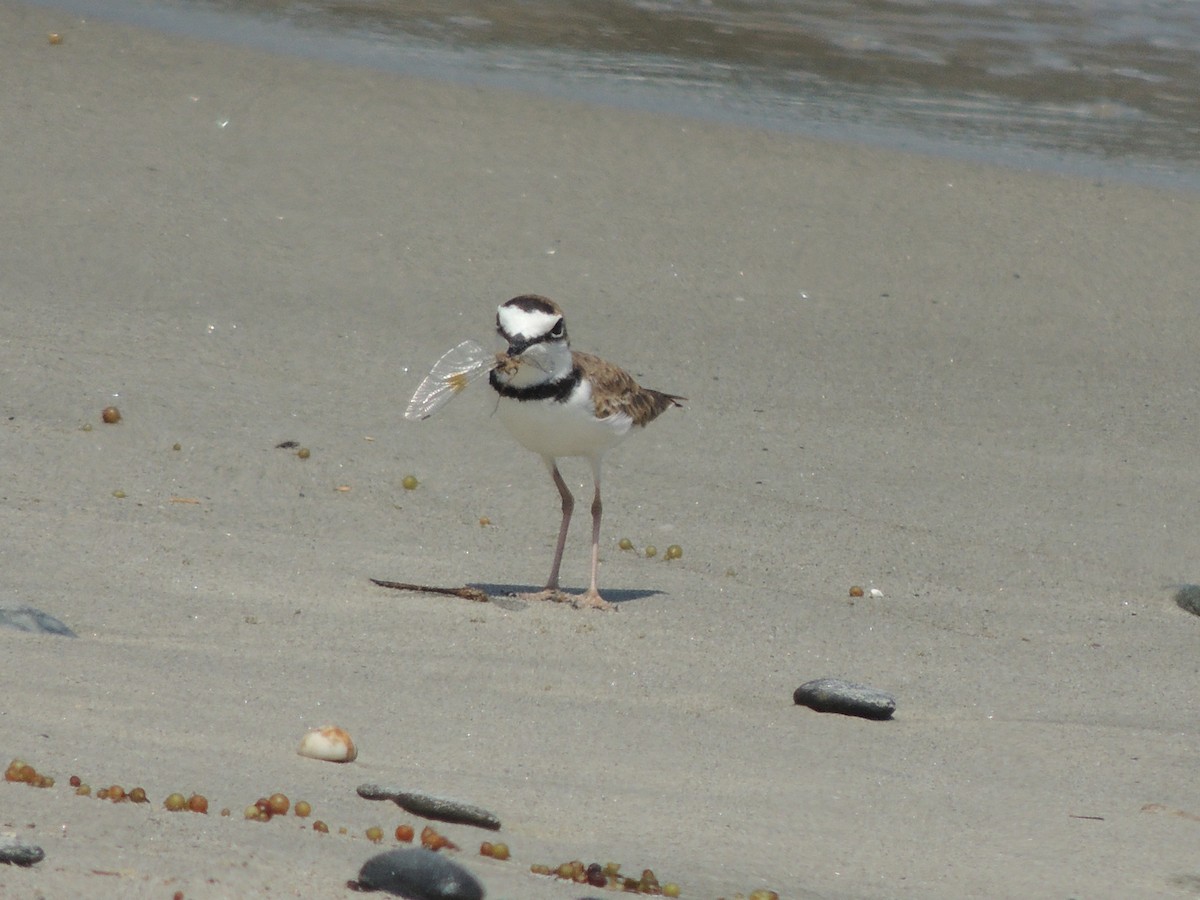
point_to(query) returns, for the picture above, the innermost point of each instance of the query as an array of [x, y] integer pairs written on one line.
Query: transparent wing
[[449, 377]]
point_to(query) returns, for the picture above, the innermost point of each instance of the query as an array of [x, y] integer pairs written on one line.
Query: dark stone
[[1188, 597], [26, 618], [837, 696], [16, 852], [419, 874], [441, 808]]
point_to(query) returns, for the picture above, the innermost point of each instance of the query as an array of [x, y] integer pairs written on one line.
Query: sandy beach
[[972, 389]]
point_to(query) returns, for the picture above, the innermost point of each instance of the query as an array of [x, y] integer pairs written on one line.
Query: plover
[[559, 402], [555, 401]]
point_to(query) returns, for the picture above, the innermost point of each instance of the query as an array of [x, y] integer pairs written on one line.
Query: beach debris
[[176, 802], [16, 852], [301, 452], [1179, 813], [432, 807], [410, 483], [495, 851], [876, 593], [110, 415], [625, 544], [418, 874], [115, 792], [26, 618], [404, 834], [1188, 598], [837, 696], [466, 593], [432, 839], [856, 590], [21, 772], [54, 38], [266, 808], [651, 551], [608, 876], [330, 743]]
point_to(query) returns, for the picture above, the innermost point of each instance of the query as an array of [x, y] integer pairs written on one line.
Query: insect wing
[[449, 377]]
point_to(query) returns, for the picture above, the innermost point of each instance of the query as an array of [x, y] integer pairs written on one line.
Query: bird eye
[[559, 329]]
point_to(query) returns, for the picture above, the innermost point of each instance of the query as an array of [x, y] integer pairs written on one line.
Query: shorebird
[[555, 401], [559, 402]]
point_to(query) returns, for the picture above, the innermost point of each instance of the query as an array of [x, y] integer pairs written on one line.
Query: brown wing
[[615, 391]]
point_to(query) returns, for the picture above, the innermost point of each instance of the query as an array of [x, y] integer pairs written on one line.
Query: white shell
[[876, 593], [329, 742]]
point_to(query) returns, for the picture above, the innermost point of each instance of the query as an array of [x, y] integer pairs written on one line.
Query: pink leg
[[552, 591], [568, 506], [592, 596]]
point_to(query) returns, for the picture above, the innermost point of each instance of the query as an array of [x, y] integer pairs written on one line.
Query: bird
[[559, 402]]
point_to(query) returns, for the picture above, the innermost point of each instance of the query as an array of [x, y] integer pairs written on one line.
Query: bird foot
[[591, 599], [588, 600]]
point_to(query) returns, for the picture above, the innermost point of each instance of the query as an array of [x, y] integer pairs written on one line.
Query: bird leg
[[568, 506], [551, 591], [591, 597]]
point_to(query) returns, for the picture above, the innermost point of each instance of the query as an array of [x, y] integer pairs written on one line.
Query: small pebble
[[419, 875], [16, 852], [1188, 598], [441, 808], [837, 696]]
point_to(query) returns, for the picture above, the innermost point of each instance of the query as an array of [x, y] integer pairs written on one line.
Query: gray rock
[[441, 808], [837, 696], [16, 852], [1188, 597], [419, 874], [26, 618]]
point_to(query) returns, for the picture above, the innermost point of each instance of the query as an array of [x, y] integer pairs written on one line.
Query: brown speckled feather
[[615, 391]]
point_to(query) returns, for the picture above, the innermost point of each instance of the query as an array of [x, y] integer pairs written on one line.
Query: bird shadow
[[508, 592]]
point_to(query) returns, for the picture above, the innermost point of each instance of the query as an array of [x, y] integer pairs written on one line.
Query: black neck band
[[558, 390]]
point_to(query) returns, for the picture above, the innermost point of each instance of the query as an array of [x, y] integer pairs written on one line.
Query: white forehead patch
[[528, 324]]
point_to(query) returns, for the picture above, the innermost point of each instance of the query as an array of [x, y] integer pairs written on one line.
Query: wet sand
[[971, 388]]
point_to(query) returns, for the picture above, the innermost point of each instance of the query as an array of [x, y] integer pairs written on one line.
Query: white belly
[[555, 429]]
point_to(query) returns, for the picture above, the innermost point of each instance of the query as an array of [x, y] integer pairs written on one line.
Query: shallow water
[[1108, 88]]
